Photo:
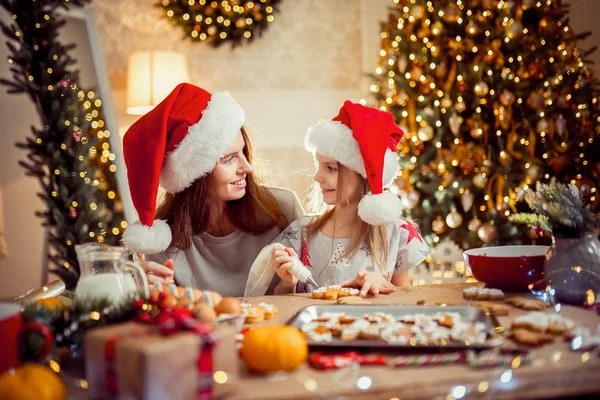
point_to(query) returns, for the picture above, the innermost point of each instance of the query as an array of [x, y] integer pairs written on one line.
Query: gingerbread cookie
[[545, 323], [528, 304], [469, 333], [397, 334], [254, 314], [334, 292], [317, 333], [478, 293], [441, 328], [269, 309], [527, 337], [319, 293]]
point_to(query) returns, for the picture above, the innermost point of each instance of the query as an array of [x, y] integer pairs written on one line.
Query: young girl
[[360, 240]]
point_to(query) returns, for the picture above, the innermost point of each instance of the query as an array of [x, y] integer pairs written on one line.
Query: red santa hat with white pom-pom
[[365, 140], [179, 141]]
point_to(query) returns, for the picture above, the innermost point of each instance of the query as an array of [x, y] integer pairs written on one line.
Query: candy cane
[[428, 360]]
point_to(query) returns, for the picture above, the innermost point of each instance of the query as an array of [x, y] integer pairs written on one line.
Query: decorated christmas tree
[[67, 148], [493, 95]]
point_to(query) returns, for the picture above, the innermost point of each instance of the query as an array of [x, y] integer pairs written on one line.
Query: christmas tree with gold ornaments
[[494, 96]]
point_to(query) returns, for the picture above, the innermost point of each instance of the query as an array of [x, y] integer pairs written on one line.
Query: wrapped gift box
[[134, 361]]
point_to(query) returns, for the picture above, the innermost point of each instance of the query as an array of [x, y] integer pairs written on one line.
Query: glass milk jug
[[106, 273]]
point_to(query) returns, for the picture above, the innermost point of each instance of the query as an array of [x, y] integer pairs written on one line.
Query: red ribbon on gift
[[342, 360], [169, 322]]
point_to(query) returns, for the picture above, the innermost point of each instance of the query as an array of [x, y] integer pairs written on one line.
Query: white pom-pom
[[379, 209], [147, 239]]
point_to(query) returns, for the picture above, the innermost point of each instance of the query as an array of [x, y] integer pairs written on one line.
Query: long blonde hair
[[375, 237]]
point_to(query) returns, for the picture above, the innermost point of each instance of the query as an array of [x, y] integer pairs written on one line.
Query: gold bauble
[[542, 126], [480, 180], [417, 11], [410, 199], [437, 28], [441, 70], [507, 98], [481, 89], [425, 133], [488, 232], [438, 225], [468, 164], [446, 102], [474, 224], [472, 28], [535, 101], [454, 219], [451, 13], [514, 30]]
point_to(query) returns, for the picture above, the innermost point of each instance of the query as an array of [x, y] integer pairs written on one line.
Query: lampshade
[[151, 76]]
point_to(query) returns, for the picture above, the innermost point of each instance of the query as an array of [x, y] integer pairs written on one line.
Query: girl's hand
[[370, 282], [159, 273], [281, 261]]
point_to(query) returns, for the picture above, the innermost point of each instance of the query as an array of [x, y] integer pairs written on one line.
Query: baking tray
[[468, 314]]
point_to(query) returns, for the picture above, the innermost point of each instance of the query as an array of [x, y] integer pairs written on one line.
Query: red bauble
[[462, 85], [138, 304]]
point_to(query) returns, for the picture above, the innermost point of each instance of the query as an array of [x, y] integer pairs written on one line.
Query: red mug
[[11, 329]]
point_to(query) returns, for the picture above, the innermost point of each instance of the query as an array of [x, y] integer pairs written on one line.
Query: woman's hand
[[281, 261], [370, 282], [159, 273]]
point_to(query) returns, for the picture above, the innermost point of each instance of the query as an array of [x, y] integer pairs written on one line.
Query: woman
[[216, 217]]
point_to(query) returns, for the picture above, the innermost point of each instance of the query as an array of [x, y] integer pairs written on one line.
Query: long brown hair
[[375, 237], [188, 214]]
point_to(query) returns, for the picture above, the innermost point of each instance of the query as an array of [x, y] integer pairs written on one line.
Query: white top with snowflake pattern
[[324, 255]]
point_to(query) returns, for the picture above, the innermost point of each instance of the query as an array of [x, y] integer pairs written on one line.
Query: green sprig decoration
[[558, 208]]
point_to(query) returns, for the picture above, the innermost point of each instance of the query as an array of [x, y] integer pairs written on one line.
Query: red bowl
[[507, 267]]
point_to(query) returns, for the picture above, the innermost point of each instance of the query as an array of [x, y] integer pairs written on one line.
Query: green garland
[[220, 22], [70, 321]]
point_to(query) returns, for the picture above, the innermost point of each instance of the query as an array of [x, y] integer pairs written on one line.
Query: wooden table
[[556, 372]]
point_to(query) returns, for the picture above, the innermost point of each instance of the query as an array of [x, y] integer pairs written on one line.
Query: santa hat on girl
[[364, 140], [176, 143]]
